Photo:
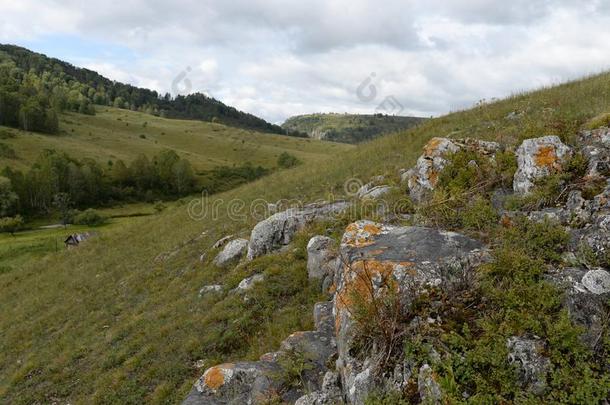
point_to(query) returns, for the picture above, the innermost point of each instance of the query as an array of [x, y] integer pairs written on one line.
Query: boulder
[[210, 289], [538, 158], [585, 293], [526, 353], [423, 178], [596, 148], [428, 388], [330, 394], [248, 282], [222, 241], [279, 229], [236, 383], [321, 257], [232, 252], [377, 258]]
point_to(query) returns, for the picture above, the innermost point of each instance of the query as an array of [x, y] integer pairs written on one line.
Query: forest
[[35, 88]]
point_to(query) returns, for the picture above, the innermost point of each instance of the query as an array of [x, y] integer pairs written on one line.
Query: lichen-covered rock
[[423, 178], [408, 260], [585, 293], [321, 257], [209, 289], [232, 252], [330, 394], [236, 383], [594, 236], [429, 390], [279, 229], [248, 282], [596, 148], [527, 354], [537, 158]]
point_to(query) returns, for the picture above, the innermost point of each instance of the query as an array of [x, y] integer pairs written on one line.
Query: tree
[[11, 224], [62, 202], [8, 198]]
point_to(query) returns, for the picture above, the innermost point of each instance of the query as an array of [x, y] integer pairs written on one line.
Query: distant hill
[[53, 83], [347, 128]]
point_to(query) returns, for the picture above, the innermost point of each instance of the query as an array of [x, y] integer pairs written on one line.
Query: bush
[[90, 217], [11, 224], [286, 160]]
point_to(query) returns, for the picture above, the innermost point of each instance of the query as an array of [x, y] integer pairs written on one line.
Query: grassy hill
[[347, 128], [114, 134], [107, 323]]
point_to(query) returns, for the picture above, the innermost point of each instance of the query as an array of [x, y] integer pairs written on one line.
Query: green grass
[[106, 323], [114, 134]]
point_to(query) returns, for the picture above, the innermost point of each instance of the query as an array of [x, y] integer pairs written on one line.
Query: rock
[[538, 158], [409, 260], [214, 288], [532, 366], [279, 229], [375, 192], [232, 252], [423, 177], [595, 236], [427, 387], [596, 148], [330, 394], [585, 294], [236, 383], [248, 283], [321, 257], [222, 241]]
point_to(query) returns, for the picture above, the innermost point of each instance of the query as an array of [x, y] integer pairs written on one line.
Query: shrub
[[6, 151], [286, 160], [90, 217], [479, 215], [602, 120], [11, 224]]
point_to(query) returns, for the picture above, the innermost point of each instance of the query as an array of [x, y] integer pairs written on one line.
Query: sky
[[278, 58]]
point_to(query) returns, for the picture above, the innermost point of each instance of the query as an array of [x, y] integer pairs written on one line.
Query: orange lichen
[[432, 145], [214, 378], [546, 157], [432, 177], [371, 229]]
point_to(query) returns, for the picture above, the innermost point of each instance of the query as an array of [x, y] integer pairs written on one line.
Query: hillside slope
[[114, 134], [120, 320], [347, 128]]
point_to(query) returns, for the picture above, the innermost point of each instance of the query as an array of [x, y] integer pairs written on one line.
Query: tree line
[[34, 88], [57, 181]]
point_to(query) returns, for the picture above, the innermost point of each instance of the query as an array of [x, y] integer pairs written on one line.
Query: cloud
[[277, 58]]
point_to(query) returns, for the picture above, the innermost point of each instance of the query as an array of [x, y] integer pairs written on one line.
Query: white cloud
[[276, 58]]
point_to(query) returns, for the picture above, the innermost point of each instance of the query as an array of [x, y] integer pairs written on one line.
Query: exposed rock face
[[279, 229], [408, 260], [232, 252], [321, 258], [258, 382], [596, 148], [429, 390], [532, 366], [585, 292], [424, 176], [537, 158], [330, 394]]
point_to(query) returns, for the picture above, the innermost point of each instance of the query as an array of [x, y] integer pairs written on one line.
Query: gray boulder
[[585, 293], [321, 257], [422, 178], [279, 229], [232, 252], [538, 158], [429, 390], [248, 283], [596, 148], [376, 257], [527, 355], [222, 241]]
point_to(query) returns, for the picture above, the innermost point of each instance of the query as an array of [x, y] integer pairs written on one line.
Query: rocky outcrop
[[428, 388], [526, 353], [584, 295], [259, 382], [322, 259], [232, 252], [595, 146], [537, 158], [423, 178], [279, 229], [378, 258]]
